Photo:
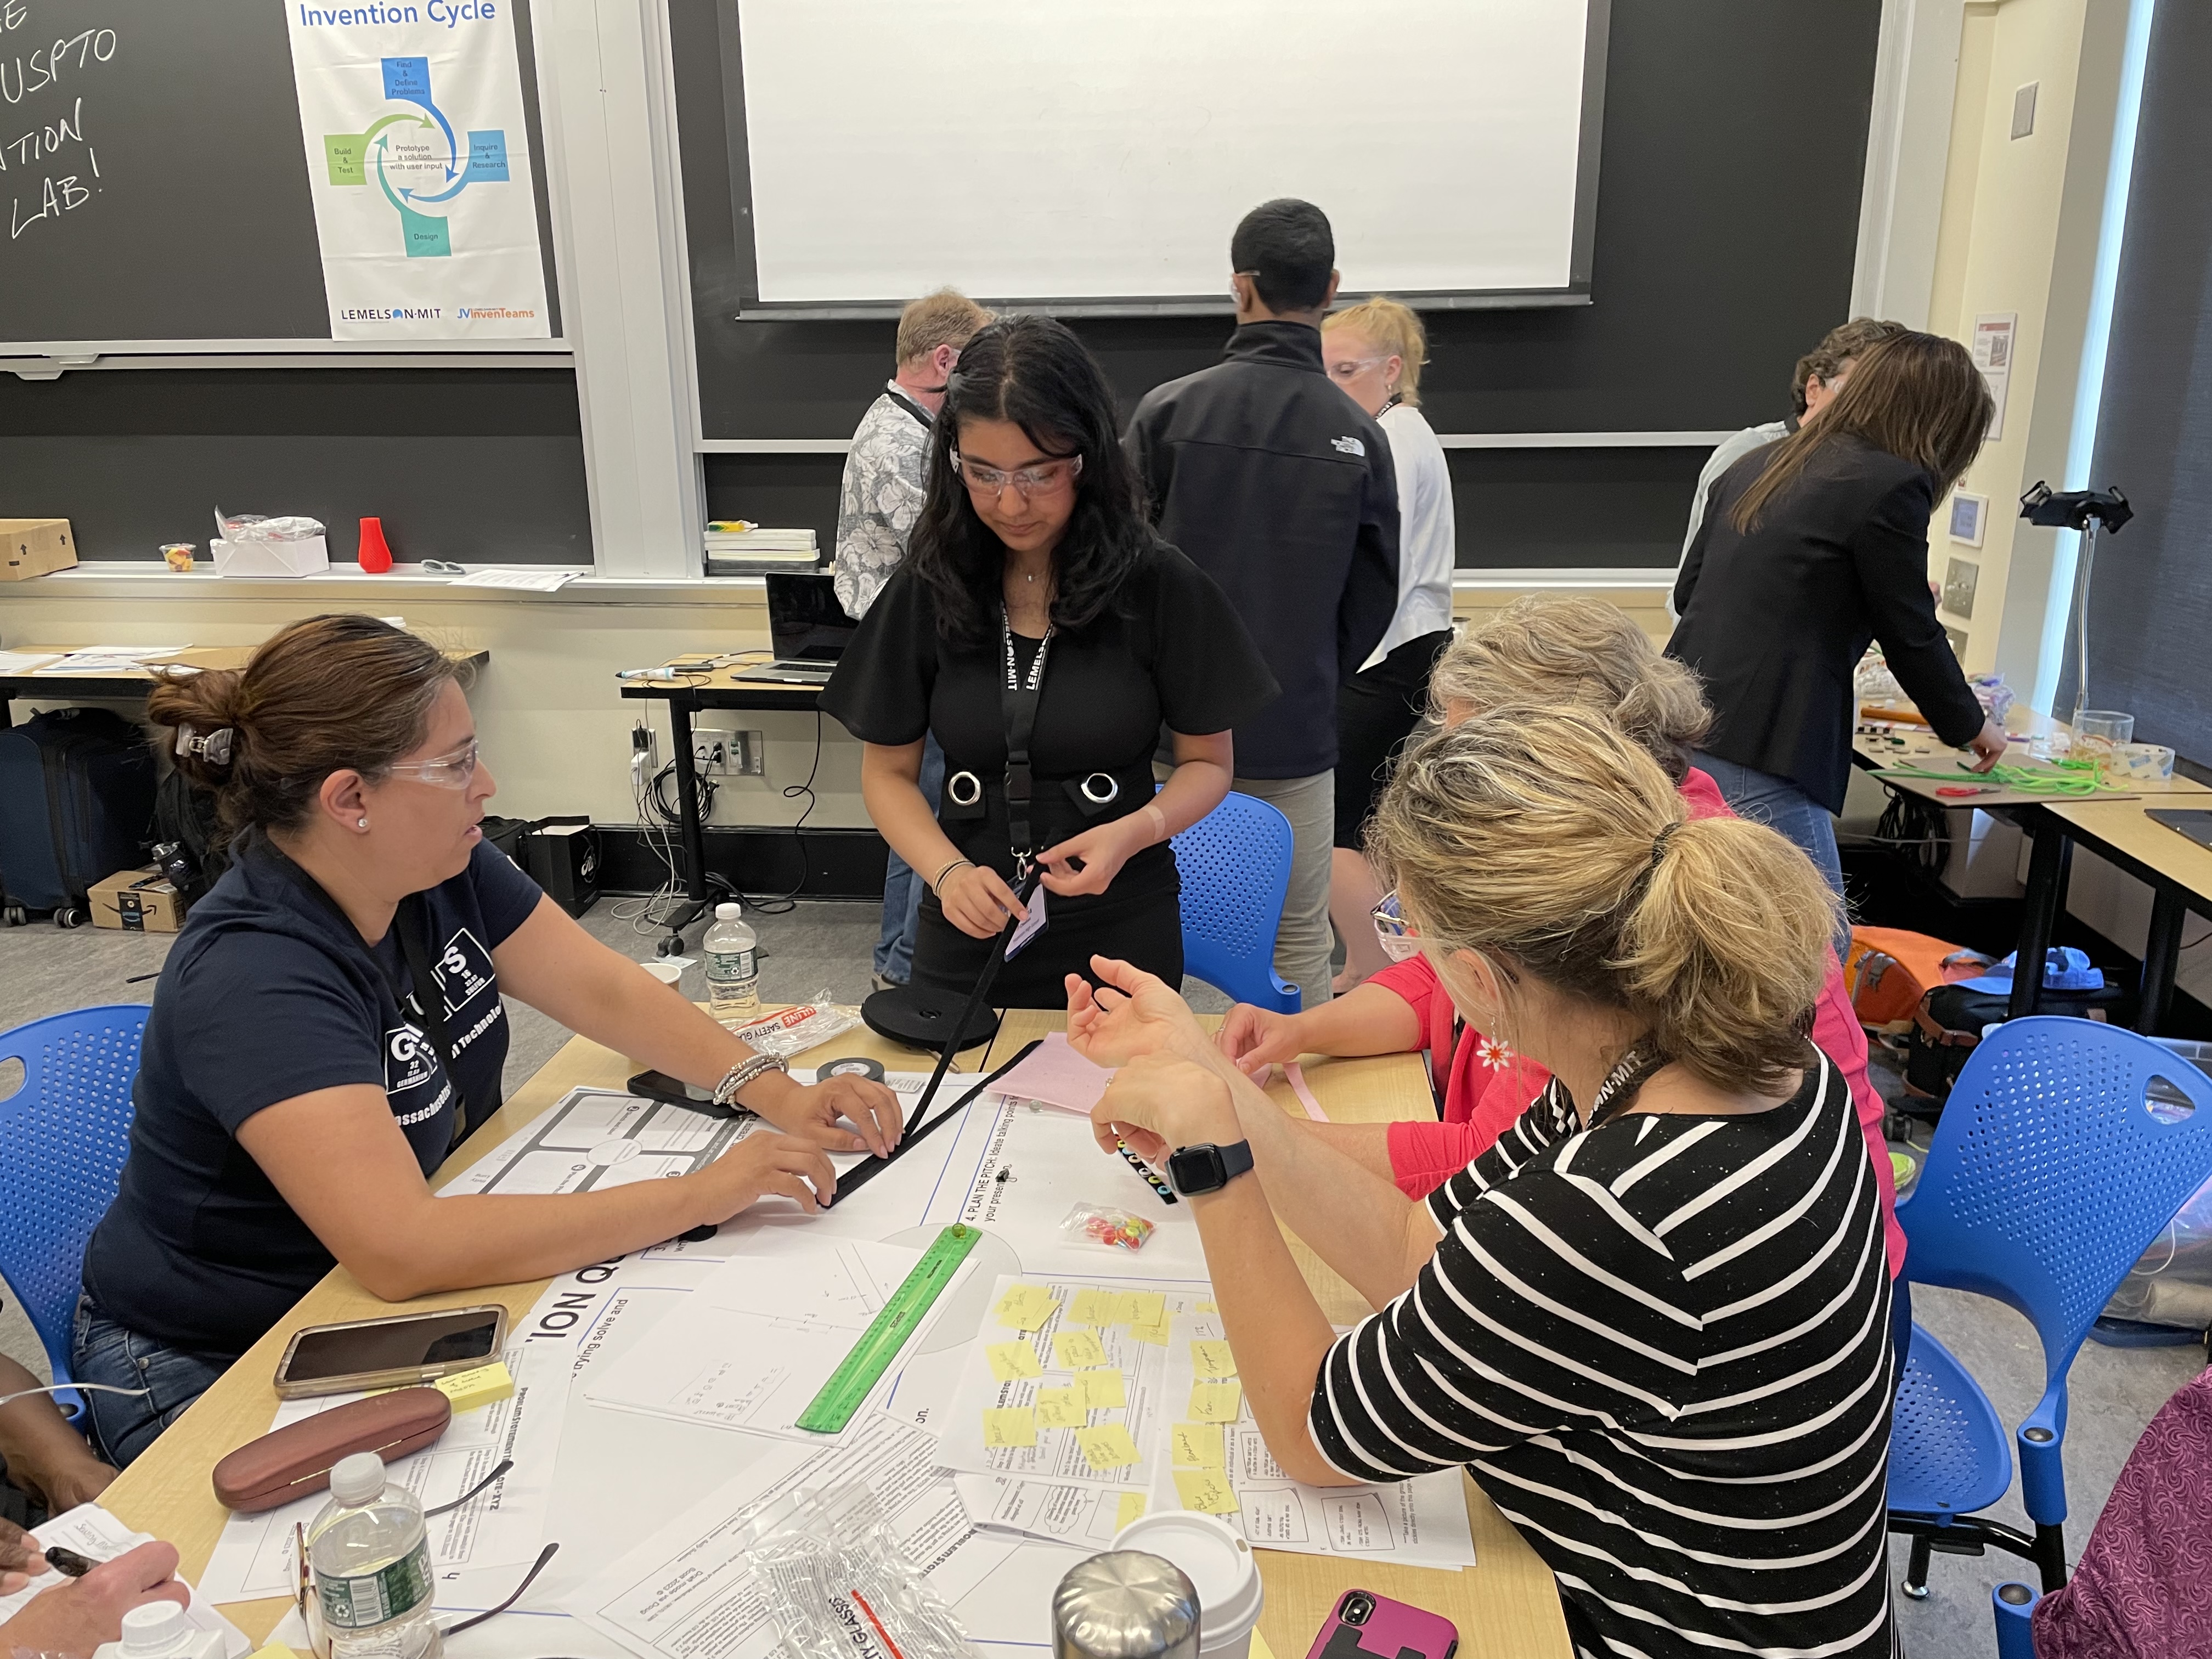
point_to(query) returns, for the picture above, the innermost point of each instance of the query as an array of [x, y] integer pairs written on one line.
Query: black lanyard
[[911, 407], [1018, 707]]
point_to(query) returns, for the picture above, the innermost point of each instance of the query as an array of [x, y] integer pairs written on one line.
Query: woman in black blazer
[[1812, 547]]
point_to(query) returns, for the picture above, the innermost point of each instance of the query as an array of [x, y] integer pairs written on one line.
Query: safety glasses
[[452, 771], [1396, 935]]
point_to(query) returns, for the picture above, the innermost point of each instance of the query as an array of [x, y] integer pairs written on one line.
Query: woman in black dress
[[1035, 594]]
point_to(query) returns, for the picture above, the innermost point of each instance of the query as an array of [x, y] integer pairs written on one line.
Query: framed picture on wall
[[1968, 515]]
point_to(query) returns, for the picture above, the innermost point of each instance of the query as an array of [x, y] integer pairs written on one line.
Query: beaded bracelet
[[745, 1073]]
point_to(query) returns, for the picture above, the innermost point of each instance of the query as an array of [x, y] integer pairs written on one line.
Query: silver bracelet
[[746, 1073]]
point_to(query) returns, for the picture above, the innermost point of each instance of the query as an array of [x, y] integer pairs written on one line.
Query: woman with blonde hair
[[1375, 351], [1543, 648], [1652, 1321], [1813, 547]]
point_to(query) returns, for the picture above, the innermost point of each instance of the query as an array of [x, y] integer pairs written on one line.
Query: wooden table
[[2113, 825], [136, 682], [1506, 1606]]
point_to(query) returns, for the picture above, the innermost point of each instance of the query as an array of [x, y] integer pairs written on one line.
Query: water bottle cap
[[357, 1478], [728, 912], [153, 1626]]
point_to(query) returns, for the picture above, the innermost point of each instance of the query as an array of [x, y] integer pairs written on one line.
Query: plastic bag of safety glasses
[[795, 1029], [839, 1586], [2172, 1284]]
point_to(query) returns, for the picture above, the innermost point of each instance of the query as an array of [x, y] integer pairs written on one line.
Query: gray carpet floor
[[824, 946]]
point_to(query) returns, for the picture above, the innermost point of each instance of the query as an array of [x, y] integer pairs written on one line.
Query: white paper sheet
[[1420, 1522], [683, 1593], [1086, 1517], [750, 1349], [92, 1532], [527, 581], [109, 658], [480, 1549], [18, 662], [595, 1138]]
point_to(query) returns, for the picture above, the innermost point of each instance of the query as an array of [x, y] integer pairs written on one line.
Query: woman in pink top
[[1539, 649]]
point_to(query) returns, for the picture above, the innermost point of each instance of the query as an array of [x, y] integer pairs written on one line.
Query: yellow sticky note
[[1216, 1402], [1207, 1490], [1093, 1308], [1208, 1306], [1131, 1508], [1108, 1446], [1212, 1359], [1104, 1390], [1012, 1361], [1197, 1445], [1060, 1408], [1157, 1335], [1010, 1425], [1025, 1307], [1140, 1307], [1074, 1350], [480, 1387]]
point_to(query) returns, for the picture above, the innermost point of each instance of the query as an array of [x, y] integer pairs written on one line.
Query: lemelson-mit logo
[[462, 973]]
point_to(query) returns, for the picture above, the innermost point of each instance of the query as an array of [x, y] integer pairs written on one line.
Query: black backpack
[[186, 845]]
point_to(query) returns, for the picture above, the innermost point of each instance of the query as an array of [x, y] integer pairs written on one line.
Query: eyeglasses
[[1041, 479], [453, 771], [1351, 369], [1396, 935]]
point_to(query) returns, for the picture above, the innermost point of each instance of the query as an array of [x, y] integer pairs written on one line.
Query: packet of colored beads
[[1101, 1223]]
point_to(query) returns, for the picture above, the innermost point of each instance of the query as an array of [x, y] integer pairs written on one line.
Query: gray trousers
[[1303, 944]]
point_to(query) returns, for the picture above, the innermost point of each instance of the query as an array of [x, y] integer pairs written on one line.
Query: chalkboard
[[1733, 143], [154, 176]]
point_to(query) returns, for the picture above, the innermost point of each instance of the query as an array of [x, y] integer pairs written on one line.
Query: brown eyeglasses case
[[296, 1460]]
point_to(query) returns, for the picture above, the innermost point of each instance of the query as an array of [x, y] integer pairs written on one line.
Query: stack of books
[[736, 547]]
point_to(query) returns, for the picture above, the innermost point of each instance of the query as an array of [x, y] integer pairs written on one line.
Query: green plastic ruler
[[861, 1370]]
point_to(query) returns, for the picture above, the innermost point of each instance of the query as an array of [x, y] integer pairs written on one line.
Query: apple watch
[[1206, 1168]]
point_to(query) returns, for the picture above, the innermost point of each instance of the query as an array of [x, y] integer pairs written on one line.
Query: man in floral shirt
[[877, 507]]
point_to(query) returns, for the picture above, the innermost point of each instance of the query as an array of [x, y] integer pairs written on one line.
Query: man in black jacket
[[1280, 488]]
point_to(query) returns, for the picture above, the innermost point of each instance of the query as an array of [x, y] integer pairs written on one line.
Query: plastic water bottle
[[161, 1630], [371, 1557], [733, 967]]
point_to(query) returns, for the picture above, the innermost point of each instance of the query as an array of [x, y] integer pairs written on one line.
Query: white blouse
[[1426, 531]]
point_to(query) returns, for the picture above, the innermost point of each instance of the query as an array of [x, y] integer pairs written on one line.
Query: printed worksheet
[[1064, 1382], [94, 1533], [1216, 1461], [595, 1137], [685, 1591], [751, 1348], [1084, 1515], [482, 1546]]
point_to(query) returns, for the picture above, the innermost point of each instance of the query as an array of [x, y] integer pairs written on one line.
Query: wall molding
[[1680, 439]]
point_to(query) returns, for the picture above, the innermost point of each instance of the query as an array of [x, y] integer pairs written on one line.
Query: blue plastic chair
[[1235, 866], [2014, 1602], [2050, 1173], [65, 1132]]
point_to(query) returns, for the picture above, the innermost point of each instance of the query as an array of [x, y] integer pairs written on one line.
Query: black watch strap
[[1207, 1167]]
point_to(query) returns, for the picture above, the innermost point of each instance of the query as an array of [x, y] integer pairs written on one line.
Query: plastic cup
[[2098, 732], [1220, 1567], [667, 972]]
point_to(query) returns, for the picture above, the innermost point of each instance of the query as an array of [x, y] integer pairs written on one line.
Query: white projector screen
[[1068, 152]]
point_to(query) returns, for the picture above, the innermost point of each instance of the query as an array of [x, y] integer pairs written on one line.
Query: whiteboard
[[1020, 150]]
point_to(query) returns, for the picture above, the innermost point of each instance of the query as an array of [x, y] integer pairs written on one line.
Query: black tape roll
[[854, 1066]]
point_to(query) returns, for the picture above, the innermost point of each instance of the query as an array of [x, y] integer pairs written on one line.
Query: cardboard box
[[32, 547], [301, 558], [139, 902]]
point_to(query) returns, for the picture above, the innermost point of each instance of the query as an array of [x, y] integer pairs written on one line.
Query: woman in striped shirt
[[1652, 1319]]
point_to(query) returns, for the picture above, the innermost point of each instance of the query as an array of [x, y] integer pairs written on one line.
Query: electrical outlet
[[710, 753], [752, 754], [719, 751], [644, 740]]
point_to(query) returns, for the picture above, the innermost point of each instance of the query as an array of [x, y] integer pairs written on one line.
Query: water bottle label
[[731, 964], [374, 1598]]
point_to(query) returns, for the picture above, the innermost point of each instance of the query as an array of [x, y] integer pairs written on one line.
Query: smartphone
[[658, 1085], [389, 1353], [1365, 1626]]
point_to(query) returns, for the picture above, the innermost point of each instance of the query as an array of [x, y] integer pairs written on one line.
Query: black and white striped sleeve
[[1549, 1120], [1547, 1306]]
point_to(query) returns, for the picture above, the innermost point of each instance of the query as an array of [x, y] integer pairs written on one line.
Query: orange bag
[[1890, 969]]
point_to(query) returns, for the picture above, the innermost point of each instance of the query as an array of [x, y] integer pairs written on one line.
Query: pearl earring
[[363, 823]]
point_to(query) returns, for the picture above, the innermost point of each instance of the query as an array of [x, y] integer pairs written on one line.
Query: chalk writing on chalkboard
[[49, 166]]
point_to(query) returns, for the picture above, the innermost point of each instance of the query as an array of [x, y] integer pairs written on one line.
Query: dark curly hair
[[1033, 372]]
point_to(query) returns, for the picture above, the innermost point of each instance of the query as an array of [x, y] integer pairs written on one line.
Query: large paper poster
[[420, 166]]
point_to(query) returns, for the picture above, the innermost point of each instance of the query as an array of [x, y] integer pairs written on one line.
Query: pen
[[69, 1563]]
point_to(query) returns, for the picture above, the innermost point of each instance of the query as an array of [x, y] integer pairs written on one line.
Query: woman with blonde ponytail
[[1652, 1321]]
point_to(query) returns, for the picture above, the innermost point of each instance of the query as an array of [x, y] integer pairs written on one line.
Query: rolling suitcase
[[76, 805]]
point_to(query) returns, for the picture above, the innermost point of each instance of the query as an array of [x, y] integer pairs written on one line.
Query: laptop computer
[[2197, 825], [807, 627]]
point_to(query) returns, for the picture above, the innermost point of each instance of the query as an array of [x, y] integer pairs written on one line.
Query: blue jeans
[[903, 889], [1782, 807], [122, 1426]]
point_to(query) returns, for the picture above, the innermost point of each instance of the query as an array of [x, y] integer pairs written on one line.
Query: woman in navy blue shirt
[[291, 1097]]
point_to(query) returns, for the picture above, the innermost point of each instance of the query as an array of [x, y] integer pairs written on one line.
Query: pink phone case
[[1393, 1630]]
